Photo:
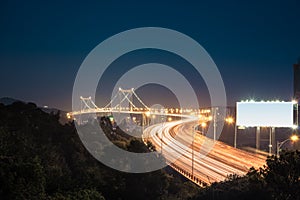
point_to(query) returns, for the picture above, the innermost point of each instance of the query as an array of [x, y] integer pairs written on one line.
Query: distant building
[[297, 80]]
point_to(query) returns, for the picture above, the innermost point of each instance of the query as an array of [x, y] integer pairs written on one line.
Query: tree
[[282, 175]]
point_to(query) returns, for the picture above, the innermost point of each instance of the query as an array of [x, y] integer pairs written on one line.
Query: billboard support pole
[[257, 138], [297, 114], [235, 135], [272, 141]]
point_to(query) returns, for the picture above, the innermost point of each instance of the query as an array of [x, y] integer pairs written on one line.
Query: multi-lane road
[[197, 157]]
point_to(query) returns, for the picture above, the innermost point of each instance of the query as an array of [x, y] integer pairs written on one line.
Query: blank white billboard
[[265, 114]]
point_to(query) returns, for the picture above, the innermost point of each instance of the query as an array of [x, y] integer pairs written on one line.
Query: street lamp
[[194, 127], [203, 126], [147, 117], [230, 120], [162, 134], [293, 138]]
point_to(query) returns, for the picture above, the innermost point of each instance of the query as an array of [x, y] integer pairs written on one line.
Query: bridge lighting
[[147, 113], [170, 119], [134, 119]]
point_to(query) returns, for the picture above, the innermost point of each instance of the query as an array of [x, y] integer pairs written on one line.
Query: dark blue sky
[[42, 45]]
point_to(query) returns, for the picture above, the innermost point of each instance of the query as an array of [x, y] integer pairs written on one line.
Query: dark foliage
[[42, 159]]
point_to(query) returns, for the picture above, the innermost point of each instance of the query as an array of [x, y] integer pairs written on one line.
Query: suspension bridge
[[122, 102]]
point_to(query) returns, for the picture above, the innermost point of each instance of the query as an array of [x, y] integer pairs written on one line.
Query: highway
[[201, 160]]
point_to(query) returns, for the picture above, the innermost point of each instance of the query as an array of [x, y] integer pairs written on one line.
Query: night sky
[[43, 44]]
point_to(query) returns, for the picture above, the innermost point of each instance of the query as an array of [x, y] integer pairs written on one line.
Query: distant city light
[[111, 118]]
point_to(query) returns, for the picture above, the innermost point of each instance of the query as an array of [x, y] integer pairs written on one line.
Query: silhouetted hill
[[41, 158], [62, 114], [7, 100]]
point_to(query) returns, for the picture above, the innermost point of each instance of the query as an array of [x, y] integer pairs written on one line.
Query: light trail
[[210, 165]]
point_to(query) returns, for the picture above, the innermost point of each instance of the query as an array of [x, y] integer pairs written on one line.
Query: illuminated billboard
[[265, 114]]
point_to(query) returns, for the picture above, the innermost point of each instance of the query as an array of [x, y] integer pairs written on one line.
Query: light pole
[[203, 126], [147, 117], [229, 121], [235, 135], [144, 120], [215, 122], [193, 151], [161, 138], [293, 138]]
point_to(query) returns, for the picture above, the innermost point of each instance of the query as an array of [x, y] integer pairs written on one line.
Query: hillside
[[42, 159]]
